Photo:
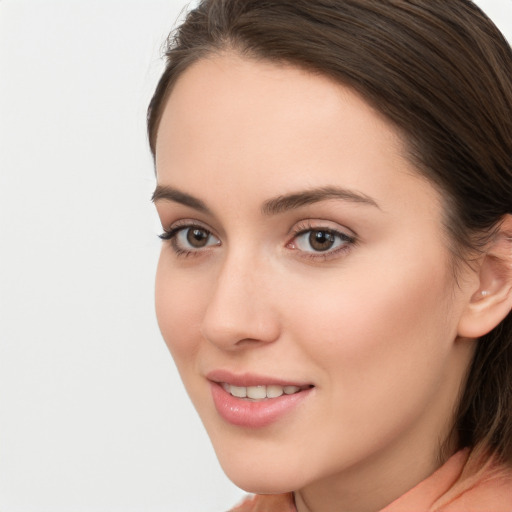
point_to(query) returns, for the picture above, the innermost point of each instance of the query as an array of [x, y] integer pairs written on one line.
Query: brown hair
[[441, 72]]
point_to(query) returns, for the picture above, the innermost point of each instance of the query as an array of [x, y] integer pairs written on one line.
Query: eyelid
[[319, 224], [171, 234], [348, 237], [178, 225]]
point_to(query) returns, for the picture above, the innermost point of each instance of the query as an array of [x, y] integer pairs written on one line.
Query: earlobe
[[492, 302]]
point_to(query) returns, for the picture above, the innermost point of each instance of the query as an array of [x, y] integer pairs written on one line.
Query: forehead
[[257, 128], [244, 98]]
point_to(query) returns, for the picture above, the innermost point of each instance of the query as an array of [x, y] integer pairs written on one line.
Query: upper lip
[[250, 379]]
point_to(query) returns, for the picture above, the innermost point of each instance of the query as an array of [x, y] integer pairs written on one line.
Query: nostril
[[236, 326], [248, 341]]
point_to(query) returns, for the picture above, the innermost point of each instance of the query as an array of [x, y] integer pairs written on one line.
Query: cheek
[[379, 344], [378, 324], [178, 310]]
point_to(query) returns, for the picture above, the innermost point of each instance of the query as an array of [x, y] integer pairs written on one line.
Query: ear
[[492, 301]]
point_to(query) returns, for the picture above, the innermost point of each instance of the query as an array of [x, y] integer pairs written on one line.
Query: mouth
[[253, 401], [262, 392]]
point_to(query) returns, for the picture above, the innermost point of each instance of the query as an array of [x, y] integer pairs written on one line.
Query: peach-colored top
[[463, 484]]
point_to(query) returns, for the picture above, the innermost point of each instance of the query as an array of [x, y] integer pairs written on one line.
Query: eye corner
[[188, 237], [166, 235], [328, 243]]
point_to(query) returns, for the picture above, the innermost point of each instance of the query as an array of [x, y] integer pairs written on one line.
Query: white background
[[92, 414]]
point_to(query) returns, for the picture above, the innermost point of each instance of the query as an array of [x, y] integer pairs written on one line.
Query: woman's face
[[307, 267]]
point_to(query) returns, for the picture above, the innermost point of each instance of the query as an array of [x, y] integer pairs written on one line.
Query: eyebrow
[[293, 201], [279, 204], [172, 194]]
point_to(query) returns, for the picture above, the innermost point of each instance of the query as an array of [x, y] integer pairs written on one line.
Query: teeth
[[260, 392], [256, 392], [238, 391], [274, 391]]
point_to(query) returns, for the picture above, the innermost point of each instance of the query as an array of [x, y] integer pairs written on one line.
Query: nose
[[241, 311]]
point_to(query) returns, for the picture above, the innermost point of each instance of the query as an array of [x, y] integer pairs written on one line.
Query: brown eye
[[190, 239], [321, 240], [197, 237]]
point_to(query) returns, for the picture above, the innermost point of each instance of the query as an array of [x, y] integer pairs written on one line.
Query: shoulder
[[267, 503], [485, 484], [468, 481]]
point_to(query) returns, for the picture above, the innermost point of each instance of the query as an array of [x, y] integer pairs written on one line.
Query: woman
[[334, 181]]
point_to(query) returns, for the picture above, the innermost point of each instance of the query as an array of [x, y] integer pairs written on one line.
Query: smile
[[261, 392], [257, 405]]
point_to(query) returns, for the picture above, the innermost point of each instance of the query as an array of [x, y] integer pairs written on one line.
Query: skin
[[372, 323]]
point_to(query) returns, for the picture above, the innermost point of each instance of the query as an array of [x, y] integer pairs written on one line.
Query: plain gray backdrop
[[93, 417]]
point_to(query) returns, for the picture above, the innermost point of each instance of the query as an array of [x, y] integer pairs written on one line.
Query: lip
[[253, 414], [251, 379]]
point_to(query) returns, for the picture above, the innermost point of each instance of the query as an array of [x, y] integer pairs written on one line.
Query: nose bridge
[[241, 307]]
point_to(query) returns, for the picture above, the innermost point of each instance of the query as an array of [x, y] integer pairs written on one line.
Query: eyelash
[[184, 226], [347, 241]]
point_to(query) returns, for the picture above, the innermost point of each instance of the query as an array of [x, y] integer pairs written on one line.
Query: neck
[[369, 487]]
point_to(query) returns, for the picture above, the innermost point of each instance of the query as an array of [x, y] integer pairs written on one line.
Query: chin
[[261, 484], [262, 477]]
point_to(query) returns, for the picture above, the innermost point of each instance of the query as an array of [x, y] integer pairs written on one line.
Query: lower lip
[[257, 414]]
